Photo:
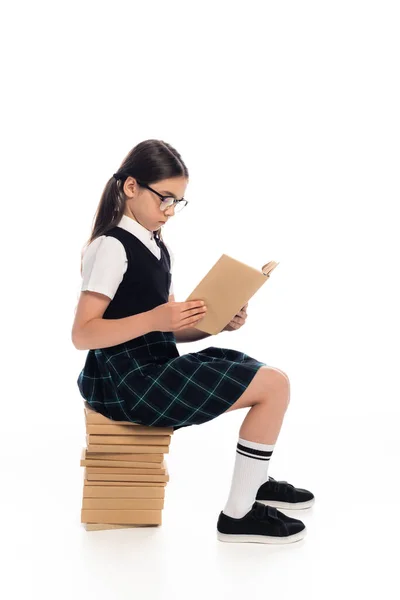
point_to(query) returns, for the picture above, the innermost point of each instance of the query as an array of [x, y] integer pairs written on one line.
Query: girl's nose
[[170, 211]]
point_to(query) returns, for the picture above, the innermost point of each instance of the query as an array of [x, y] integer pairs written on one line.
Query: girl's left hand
[[238, 320]]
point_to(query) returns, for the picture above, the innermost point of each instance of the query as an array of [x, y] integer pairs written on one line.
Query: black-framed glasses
[[166, 201]]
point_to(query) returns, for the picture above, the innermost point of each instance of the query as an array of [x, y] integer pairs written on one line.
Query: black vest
[[144, 286], [146, 281]]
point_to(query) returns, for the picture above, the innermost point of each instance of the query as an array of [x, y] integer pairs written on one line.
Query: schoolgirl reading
[[128, 320]]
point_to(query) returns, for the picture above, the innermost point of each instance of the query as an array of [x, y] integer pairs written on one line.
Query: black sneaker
[[263, 524], [282, 494]]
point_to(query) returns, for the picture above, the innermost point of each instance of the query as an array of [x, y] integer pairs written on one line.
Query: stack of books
[[125, 473]]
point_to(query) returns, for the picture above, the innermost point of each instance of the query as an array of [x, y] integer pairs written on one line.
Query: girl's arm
[[90, 331], [190, 334]]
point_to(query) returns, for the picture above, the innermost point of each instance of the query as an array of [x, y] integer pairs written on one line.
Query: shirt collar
[[136, 229]]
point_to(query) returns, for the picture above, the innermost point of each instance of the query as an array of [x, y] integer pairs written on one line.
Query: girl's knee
[[280, 379], [281, 372]]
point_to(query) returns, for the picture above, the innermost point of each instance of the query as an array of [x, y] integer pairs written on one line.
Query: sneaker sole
[[288, 505], [262, 539]]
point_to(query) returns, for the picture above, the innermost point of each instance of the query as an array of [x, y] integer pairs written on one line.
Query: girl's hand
[[238, 320], [173, 316]]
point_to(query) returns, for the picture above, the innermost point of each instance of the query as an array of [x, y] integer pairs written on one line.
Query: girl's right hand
[[173, 316]]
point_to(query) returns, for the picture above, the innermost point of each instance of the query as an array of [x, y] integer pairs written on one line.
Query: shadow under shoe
[[263, 524]]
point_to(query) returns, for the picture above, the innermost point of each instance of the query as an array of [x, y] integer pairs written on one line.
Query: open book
[[225, 289]]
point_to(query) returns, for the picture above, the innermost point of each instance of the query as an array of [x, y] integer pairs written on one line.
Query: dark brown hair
[[149, 161]]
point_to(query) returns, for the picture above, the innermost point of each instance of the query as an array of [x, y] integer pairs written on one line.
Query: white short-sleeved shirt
[[104, 261]]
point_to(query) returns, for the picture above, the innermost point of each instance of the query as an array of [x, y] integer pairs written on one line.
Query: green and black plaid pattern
[[146, 381]]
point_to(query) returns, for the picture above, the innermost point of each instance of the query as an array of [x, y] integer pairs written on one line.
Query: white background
[[287, 117]]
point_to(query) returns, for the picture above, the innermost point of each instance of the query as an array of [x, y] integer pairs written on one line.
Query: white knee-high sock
[[250, 472]]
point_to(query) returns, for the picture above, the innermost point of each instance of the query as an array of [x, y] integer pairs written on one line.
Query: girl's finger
[[238, 320]]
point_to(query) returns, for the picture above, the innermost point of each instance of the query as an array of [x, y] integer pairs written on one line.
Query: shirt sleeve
[[104, 264]]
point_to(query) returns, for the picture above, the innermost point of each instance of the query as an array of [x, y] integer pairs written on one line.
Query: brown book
[[125, 430], [121, 448], [124, 503], [135, 457], [124, 471], [125, 464], [148, 517], [127, 483], [162, 470], [92, 474], [93, 417], [105, 526], [99, 462], [119, 477], [225, 289], [148, 440], [122, 491]]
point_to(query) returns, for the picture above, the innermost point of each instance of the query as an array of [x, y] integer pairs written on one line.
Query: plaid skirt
[[147, 381]]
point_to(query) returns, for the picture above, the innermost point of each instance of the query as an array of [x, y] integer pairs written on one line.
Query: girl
[[128, 320]]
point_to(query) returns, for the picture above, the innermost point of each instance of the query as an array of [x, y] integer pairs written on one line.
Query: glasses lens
[[169, 202], [166, 203], [179, 206]]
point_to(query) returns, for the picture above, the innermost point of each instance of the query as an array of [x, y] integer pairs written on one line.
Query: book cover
[[225, 289]]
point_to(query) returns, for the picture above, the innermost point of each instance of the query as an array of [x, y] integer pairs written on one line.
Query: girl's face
[[143, 205]]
